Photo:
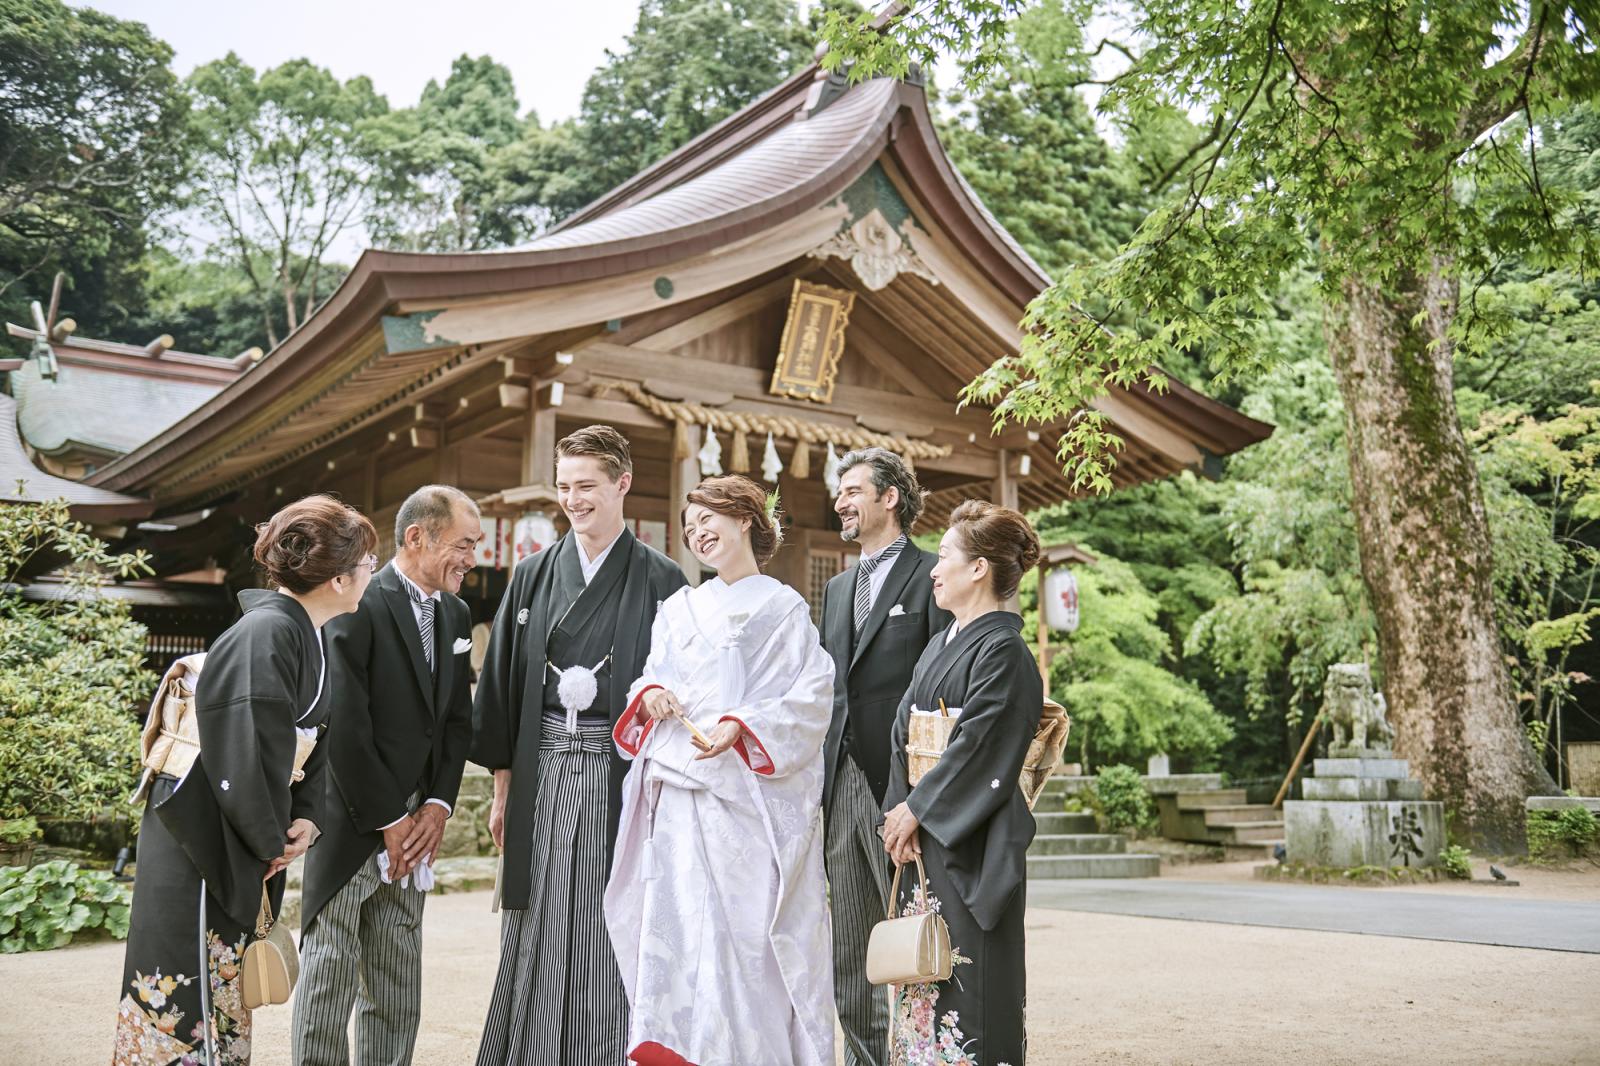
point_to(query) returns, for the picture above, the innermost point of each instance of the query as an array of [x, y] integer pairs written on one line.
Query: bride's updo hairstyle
[[312, 541], [1001, 536], [739, 498]]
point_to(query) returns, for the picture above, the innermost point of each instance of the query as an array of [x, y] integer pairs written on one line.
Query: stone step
[[1054, 822], [1228, 814], [1078, 844], [1063, 867], [1245, 832], [1221, 797], [1389, 769]]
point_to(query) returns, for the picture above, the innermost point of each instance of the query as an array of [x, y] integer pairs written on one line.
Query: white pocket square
[[896, 611], [462, 644]]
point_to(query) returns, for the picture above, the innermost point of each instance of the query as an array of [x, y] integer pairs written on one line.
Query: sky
[[550, 46]]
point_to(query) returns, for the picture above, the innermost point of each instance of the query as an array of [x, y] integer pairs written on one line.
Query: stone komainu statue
[[1354, 711]]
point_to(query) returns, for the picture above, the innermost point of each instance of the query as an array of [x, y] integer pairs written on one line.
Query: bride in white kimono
[[716, 904]]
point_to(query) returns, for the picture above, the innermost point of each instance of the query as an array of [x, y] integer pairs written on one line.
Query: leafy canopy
[[1366, 141]]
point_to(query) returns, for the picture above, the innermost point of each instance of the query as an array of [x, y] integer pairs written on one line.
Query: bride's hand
[[722, 736], [659, 703]]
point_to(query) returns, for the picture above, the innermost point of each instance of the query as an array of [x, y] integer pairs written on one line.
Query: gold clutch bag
[[271, 963], [912, 950]]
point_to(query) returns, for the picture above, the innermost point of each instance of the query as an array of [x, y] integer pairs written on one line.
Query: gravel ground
[[1102, 989]]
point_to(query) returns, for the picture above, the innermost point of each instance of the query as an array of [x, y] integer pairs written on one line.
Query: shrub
[[71, 675], [1124, 803], [1561, 834], [1456, 861], [47, 906]]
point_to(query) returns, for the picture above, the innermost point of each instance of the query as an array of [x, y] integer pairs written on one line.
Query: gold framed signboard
[[813, 341]]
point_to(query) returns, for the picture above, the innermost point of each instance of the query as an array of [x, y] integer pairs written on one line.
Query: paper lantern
[[1061, 599], [534, 532]]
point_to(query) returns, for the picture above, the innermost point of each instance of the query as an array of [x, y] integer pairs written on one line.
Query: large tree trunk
[[1426, 557]]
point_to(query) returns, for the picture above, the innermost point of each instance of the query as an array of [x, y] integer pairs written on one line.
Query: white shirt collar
[[894, 547]]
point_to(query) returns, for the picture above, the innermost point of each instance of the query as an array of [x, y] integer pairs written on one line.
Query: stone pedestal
[[1363, 808]]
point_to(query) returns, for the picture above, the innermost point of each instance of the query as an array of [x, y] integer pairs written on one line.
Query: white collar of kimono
[[724, 614], [592, 566]]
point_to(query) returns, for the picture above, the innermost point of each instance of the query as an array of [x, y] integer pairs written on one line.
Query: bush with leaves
[[1565, 834], [1124, 803], [47, 906], [71, 675], [1456, 861], [1114, 676]]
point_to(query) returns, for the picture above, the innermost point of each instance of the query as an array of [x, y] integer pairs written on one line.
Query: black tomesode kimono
[[205, 841], [976, 828]]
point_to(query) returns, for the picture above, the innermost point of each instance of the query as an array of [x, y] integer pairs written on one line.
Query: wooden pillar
[[1044, 632], [539, 439], [684, 475], [1005, 486]]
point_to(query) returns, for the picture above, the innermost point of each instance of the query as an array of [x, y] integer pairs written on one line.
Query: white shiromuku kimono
[[716, 904]]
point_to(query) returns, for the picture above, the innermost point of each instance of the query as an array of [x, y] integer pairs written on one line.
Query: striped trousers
[[858, 893], [558, 998], [362, 951]]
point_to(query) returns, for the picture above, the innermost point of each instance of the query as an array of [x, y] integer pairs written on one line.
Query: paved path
[[1495, 918]]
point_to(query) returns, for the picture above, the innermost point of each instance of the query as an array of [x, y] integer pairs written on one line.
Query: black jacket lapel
[[405, 619], [894, 584]]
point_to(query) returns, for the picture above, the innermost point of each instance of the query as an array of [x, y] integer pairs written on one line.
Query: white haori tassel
[[771, 465], [576, 690], [710, 454], [830, 471]]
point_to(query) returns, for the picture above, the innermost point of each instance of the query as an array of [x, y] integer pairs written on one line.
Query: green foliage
[[19, 830], [89, 136], [46, 906], [71, 679], [436, 185], [1456, 861], [1113, 675], [283, 166], [1028, 146], [1123, 801], [1344, 155], [687, 65], [1568, 833]]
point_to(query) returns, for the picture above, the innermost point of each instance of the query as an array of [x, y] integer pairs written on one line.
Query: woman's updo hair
[[313, 541], [1000, 535], [738, 498]]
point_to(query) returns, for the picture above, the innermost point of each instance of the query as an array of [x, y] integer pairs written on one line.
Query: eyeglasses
[[371, 563]]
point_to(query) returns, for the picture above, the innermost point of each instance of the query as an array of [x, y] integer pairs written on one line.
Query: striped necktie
[[864, 570], [425, 626]]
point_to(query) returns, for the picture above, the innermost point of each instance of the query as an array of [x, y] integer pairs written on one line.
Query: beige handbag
[[271, 964], [912, 950]]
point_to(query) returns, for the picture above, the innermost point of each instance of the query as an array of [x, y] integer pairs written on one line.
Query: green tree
[[687, 65], [90, 125], [283, 167], [1027, 144], [1372, 144], [1114, 677], [436, 181], [71, 679]]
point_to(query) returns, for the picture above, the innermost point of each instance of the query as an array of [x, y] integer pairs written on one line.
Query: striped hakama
[[557, 996]]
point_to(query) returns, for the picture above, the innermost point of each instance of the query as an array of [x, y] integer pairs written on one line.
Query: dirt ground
[[1102, 989], [1578, 881]]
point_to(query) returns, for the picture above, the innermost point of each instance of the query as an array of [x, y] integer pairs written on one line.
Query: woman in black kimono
[[209, 839], [967, 817]]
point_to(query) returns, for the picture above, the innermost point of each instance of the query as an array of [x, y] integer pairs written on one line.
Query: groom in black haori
[[571, 635]]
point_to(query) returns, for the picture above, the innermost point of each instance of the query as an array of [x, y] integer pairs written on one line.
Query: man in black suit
[[398, 677], [877, 617]]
